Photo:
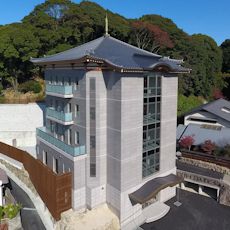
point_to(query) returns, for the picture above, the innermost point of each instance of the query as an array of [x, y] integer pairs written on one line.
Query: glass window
[[92, 113], [76, 110], [145, 82], [69, 109], [158, 82], [151, 128], [92, 84], [55, 165], [152, 82], [92, 170], [76, 84], [92, 142], [77, 138], [69, 137], [45, 157], [152, 108]]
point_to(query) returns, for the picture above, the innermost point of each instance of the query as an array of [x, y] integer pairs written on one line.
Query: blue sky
[[211, 17]]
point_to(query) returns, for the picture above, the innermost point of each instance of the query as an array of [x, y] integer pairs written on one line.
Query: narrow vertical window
[[92, 127], [69, 137], [45, 158], [77, 138], [69, 109], [92, 113], [76, 84], [55, 165], [76, 110]]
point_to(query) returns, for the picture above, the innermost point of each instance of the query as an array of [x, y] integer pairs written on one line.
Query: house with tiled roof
[[215, 113]]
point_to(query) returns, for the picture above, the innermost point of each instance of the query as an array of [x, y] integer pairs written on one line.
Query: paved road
[[29, 215], [196, 213]]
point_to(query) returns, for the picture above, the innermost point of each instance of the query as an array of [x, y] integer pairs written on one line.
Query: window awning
[[150, 189]]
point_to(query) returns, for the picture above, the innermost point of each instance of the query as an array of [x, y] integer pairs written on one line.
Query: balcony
[[69, 149], [64, 91], [60, 117]]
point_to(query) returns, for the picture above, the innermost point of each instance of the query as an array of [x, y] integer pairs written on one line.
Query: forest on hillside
[[58, 25]]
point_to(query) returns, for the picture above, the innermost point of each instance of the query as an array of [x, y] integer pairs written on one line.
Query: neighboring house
[[111, 120], [213, 113], [18, 123], [200, 133]]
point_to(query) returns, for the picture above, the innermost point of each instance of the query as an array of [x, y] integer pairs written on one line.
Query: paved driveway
[[29, 215], [196, 213]]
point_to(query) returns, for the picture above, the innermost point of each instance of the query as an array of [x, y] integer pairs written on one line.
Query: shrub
[[208, 146], [226, 150], [186, 104], [9, 211], [2, 100], [30, 86], [1, 88], [186, 142], [222, 151]]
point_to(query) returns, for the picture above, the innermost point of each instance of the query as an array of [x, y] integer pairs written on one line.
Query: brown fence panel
[[54, 189]]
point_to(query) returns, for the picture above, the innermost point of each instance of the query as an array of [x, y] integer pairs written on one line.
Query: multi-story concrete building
[[111, 121]]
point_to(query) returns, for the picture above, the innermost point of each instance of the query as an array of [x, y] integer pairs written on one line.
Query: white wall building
[[111, 121], [18, 123]]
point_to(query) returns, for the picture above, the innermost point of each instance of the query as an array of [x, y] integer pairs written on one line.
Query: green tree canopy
[[225, 46], [57, 25]]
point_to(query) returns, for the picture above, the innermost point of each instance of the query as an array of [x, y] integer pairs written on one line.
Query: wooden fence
[[54, 189], [222, 161]]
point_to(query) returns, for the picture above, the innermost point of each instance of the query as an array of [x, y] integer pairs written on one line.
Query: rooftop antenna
[[106, 25]]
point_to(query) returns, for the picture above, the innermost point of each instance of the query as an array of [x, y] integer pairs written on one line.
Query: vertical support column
[[218, 193], [200, 189], [182, 186], [1, 195]]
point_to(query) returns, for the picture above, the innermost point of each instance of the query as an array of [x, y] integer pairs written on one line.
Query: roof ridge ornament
[[106, 25]]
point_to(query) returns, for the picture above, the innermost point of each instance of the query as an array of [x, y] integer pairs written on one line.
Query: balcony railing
[[151, 118], [152, 91], [59, 116], [149, 145], [65, 91], [71, 150]]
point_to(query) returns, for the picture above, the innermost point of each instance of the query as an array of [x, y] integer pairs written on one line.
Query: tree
[[185, 104], [17, 45], [186, 142], [217, 94], [208, 146], [225, 46], [150, 37]]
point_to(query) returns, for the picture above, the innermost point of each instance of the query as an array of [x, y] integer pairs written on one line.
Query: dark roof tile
[[114, 52]]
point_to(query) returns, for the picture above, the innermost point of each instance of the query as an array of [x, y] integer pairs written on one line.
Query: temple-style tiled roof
[[114, 53]]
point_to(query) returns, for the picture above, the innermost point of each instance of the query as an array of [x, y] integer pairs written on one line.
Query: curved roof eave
[[90, 58]]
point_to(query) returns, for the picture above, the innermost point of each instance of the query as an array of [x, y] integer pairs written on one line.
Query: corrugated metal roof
[[114, 52], [220, 137]]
